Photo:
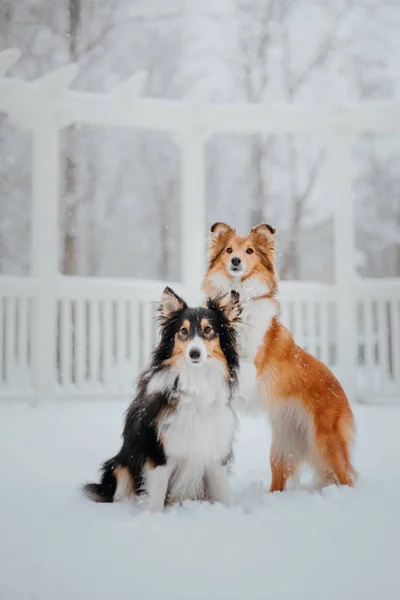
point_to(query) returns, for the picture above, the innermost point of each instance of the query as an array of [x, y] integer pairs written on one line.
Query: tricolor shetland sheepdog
[[310, 415], [179, 430]]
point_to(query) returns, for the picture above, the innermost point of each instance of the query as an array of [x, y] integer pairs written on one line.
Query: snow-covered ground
[[56, 545]]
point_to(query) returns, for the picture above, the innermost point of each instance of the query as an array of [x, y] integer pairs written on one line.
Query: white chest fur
[[199, 435], [197, 438], [202, 427], [257, 312], [256, 320]]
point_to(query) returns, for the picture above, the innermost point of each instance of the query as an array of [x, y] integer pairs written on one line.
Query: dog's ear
[[219, 235], [264, 234], [229, 304], [219, 230], [170, 303], [264, 229]]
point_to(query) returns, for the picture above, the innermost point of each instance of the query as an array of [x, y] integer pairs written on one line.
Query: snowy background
[[120, 189], [119, 217]]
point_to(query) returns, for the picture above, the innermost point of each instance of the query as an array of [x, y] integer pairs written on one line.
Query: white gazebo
[[75, 337]]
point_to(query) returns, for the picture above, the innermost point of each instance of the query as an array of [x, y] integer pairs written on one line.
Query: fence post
[[193, 211], [45, 195], [344, 250]]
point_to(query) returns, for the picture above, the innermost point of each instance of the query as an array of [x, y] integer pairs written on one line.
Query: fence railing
[[378, 328], [105, 330], [77, 326]]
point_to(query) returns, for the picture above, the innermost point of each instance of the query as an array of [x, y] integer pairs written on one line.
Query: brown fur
[[181, 341], [288, 375], [122, 473]]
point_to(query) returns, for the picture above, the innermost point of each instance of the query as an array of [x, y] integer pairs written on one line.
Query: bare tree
[[259, 24], [377, 201], [70, 208], [293, 83], [290, 268], [85, 33], [104, 178], [255, 18], [378, 208]]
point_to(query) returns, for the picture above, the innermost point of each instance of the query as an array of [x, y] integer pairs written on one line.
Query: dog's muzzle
[[196, 352], [236, 266]]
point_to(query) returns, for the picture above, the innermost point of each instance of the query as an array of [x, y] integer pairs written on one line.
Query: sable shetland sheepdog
[[310, 416], [178, 434]]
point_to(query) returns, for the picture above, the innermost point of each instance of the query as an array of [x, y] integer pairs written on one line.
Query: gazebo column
[[193, 211], [344, 252], [45, 195]]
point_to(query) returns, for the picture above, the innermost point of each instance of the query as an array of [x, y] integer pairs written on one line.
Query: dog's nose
[[235, 261], [194, 354]]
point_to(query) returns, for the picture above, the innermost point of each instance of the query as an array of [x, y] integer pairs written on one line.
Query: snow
[[57, 545]]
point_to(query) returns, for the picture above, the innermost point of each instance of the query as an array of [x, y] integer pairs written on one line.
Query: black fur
[[140, 444], [227, 335], [140, 441], [105, 490]]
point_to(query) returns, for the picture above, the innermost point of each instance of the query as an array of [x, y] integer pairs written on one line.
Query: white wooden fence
[[105, 331], [83, 337]]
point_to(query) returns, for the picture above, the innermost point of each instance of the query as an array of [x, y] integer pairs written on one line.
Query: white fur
[[198, 436], [217, 483], [257, 312], [255, 321], [157, 485], [196, 344], [201, 384], [222, 283], [248, 397], [247, 379], [162, 381], [249, 289], [293, 435]]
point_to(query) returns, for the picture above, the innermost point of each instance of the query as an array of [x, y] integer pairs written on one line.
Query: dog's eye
[[184, 331], [249, 251], [207, 329], [229, 250]]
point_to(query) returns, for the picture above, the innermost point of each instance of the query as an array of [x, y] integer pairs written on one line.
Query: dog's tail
[[105, 490]]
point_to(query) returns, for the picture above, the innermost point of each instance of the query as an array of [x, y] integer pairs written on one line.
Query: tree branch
[[312, 177], [324, 51]]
